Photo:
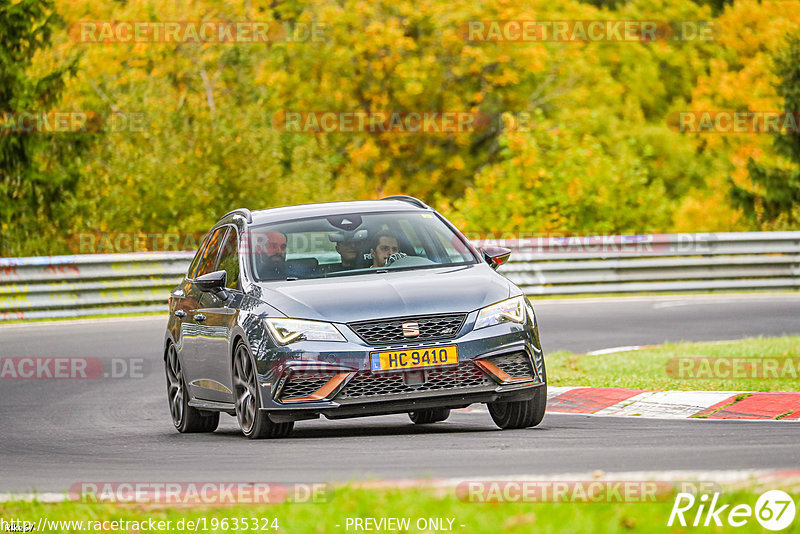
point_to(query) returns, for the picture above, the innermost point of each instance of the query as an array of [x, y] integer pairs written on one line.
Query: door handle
[[180, 314], [199, 317]]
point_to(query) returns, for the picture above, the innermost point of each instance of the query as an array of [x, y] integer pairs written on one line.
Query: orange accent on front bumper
[[499, 374], [324, 392]]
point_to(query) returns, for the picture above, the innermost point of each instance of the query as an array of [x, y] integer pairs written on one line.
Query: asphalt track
[[55, 433]]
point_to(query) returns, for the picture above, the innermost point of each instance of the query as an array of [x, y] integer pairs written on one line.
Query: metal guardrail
[[88, 284], [72, 286], [655, 263]]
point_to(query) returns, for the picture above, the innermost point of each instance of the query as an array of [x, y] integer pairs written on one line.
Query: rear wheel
[[186, 419], [431, 415], [255, 423], [521, 414]]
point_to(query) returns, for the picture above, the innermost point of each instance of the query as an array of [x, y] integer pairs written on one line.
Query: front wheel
[[521, 414], [187, 420], [255, 423], [431, 415]]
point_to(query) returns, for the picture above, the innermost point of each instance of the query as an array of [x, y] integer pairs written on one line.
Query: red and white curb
[[670, 404], [674, 404]]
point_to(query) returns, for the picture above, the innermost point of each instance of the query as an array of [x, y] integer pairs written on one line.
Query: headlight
[[508, 311], [531, 314], [286, 331]]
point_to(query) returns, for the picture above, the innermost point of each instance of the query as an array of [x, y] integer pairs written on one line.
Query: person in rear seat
[[349, 250], [350, 247]]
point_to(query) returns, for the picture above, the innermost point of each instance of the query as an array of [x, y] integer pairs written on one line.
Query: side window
[[196, 260], [229, 258], [209, 261]]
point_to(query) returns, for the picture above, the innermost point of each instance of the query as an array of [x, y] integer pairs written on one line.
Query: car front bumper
[[305, 380]]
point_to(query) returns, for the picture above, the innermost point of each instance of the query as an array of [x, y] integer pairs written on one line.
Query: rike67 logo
[[774, 510]]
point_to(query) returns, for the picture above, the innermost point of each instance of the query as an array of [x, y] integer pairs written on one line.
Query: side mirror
[[215, 281], [496, 256]]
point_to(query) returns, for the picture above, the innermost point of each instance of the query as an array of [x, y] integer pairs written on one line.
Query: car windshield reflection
[[348, 245]]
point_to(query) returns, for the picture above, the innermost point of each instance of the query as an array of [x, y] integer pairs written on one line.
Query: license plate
[[413, 358]]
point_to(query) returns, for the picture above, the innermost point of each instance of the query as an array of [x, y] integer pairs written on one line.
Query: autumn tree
[[38, 172], [590, 150], [740, 77], [776, 195]]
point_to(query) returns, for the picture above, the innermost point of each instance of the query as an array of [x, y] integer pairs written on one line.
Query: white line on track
[[665, 300], [612, 350]]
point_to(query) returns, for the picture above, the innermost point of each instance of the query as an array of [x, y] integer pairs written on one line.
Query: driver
[[384, 245], [273, 264]]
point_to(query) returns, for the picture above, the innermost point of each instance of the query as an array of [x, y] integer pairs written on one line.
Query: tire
[[521, 414], [431, 415], [255, 423], [187, 420]]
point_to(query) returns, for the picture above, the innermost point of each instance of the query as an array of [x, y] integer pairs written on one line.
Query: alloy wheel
[[244, 383], [175, 386]]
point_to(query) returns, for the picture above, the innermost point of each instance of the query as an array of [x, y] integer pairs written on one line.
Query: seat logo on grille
[[410, 329]]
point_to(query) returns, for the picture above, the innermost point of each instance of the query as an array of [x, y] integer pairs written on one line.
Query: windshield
[[344, 245]]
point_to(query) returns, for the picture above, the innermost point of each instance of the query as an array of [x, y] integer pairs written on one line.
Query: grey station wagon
[[348, 309]]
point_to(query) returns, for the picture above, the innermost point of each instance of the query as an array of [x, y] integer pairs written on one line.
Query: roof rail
[[244, 212], [411, 200]]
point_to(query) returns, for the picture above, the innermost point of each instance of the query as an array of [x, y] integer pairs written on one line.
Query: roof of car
[[301, 211]]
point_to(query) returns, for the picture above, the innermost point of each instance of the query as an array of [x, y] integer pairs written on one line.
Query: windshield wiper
[[394, 269], [348, 272]]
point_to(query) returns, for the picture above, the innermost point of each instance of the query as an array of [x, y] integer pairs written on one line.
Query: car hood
[[346, 299]]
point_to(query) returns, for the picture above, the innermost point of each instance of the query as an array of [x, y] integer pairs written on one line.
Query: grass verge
[[415, 504], [658, 368]]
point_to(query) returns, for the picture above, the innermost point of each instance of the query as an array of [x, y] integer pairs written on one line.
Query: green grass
[[647, 368], [411, 503]]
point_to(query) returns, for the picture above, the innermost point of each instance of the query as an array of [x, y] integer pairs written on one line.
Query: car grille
[[367, 384], [303, 384], [431, 327], [516, 364]]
